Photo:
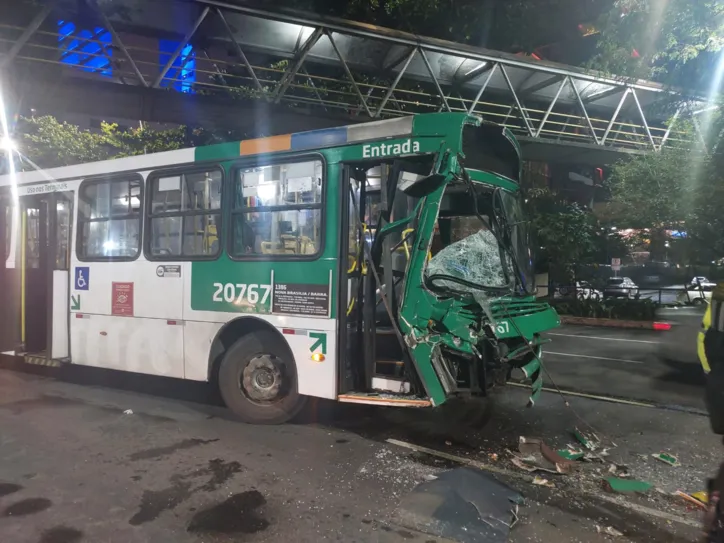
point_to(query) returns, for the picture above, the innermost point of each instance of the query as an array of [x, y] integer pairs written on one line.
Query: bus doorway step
[[40, 359], [392, 400]]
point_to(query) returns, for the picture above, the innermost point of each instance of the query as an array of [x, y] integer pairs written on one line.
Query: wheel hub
[[262, 379]]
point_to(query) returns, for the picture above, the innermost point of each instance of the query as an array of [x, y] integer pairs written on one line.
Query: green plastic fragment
[[666, 459], [531, 367], [570, 454], [588, 440], [536, 388], [627, 486]]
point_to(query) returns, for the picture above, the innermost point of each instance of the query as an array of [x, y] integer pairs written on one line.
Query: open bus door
[[9, 278], [45, 234]]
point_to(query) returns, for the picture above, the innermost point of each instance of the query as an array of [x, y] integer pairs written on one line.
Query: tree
[[564, 231], [677, 188], [673, 41], [505, 25], [45, 142]]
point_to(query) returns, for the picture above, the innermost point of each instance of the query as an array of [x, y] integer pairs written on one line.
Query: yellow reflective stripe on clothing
[[701, 352]]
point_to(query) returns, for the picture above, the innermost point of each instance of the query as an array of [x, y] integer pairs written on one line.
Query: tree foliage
[[564, 231], [675, 189], [673, 41], [46, 142], [512, 25]]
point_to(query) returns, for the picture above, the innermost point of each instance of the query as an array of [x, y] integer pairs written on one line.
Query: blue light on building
[[76, 49], [182, 74]]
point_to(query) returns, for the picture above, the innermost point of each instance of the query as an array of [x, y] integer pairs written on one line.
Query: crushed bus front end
[[469, 314]]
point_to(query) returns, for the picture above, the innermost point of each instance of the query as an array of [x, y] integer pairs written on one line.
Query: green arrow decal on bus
[[75, 303], [321, 341]]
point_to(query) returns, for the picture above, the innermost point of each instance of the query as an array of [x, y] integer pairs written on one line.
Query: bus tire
[[258, 380]]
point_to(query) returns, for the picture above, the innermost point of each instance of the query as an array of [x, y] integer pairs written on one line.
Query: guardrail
[[678, 295]]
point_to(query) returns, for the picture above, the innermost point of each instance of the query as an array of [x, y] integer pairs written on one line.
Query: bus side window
[[185, 213], [278, 210], [109, 218]]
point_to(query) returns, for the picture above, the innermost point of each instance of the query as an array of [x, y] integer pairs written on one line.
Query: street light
[[7, 144]]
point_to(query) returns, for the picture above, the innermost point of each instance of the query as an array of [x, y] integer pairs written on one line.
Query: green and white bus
[[384, 263]]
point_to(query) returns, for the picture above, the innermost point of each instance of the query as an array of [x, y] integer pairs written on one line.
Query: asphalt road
[[654, 366], [75, 468]]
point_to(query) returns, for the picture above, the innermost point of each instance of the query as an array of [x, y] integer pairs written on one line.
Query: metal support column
[[392, 88], [523, 114], [615, 115], [180, 47], [238, 50], [348, 72], [301, 54], [643, 119], [583, 109], [434, 78], [482, 88], [118, 43], [550, 107]]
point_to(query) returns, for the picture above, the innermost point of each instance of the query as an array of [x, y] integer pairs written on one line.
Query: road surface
[[634, 364], [95, 456]]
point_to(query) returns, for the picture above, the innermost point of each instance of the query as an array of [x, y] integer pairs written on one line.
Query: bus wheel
[[258, 382]]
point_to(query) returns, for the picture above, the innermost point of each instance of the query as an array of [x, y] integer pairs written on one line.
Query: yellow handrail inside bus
[[406, 245], [23, 241]]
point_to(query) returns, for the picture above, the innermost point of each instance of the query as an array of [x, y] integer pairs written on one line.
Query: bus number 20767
[[239, 293]]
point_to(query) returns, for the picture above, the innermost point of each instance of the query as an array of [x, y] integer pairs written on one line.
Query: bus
[[384, 263]]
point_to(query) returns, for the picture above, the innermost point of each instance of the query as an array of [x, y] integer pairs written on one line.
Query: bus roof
[[300, 141]]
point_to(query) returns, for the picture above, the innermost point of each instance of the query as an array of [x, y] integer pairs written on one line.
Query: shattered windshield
[[466, 255]]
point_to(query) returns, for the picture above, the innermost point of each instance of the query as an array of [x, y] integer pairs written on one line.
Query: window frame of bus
[[149, 215], [80, 220], [233, 210]]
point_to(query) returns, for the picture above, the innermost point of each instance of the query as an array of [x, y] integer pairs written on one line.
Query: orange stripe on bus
[[266, 145]]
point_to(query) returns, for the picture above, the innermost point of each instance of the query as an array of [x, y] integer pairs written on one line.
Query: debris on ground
[[667, 459], [537, 453], [588, 439], [540, 481], [442, 508], [626, 486], [702, 496], [571, 453], [691, 499], [619, 471], [128, 412], [493, 457], [528, 464], [608, 530]]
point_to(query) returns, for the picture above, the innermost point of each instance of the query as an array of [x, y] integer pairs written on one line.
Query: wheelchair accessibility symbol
[[82, 278]]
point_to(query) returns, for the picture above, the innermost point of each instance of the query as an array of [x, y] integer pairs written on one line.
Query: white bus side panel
[[128, 344], [148, 341], [314, 378]]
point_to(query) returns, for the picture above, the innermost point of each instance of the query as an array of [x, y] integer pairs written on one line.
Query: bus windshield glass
[[480, 243]]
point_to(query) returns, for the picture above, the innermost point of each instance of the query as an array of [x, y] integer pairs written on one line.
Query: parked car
[[696, 294], [701, 280], [585, 291], [620, 287]]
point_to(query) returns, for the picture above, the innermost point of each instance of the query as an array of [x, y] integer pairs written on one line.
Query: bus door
[[45, 234], [9, 278]]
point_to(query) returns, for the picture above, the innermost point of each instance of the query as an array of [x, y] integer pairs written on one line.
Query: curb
[[615, 323]]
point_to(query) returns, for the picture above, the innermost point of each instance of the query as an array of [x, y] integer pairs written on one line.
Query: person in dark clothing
[[711, 356]]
